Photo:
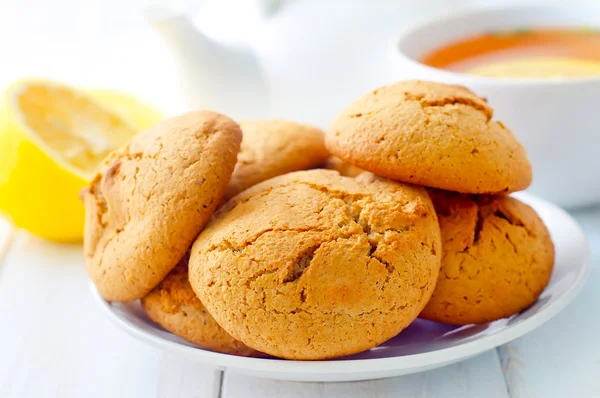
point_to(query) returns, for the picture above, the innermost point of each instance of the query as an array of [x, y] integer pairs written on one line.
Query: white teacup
[[557, 120]]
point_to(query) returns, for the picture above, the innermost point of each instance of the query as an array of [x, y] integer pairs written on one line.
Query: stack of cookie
[[497, 254], [316, 264]]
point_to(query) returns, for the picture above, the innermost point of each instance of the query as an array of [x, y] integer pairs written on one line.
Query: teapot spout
[[212, 76]]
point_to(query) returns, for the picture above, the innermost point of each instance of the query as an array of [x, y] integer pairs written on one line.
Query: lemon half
[[52, 139]]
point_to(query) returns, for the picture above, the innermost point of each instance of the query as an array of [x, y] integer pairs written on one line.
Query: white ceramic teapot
[[304, 60], [212, 75]]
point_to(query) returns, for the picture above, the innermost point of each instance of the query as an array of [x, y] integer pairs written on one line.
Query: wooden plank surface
[[54, 342], [562, 358], [475, 378]]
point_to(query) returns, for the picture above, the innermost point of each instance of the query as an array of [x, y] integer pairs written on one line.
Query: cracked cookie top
[[274, 147], [314, 265], [430, 134], [151, 198], [174, 306], [498, 257]]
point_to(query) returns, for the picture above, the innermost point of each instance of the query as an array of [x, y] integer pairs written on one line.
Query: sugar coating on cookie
[[313, 265], [498, 258], [345, 169], [151, 199], [274, 147], [174, 305], [430, 134]]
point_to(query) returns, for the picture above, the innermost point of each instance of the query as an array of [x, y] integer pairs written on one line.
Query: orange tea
[[544, 52]]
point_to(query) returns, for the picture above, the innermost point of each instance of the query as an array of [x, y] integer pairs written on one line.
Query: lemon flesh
[[538, 67], [137, 114], [71, 124], [52, 139]]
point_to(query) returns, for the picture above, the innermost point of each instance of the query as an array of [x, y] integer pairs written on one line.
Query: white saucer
[[423, 345]]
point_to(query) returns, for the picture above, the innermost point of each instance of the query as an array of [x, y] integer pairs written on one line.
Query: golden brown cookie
[[345, 169], [174, 306], [274, 147], [430, 134], [151, 199], [314, 265], [498, 257]]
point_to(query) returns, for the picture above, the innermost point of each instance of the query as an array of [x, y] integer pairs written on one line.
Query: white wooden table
[[55, 342]]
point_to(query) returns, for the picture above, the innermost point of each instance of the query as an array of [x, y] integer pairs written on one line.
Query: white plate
[[423, 345]]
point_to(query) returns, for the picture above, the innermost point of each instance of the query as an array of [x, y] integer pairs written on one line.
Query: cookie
[[174, 306], [430, 134], [345, 169], [313, 265], [498, 257], [151, 199], [274, 147]]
